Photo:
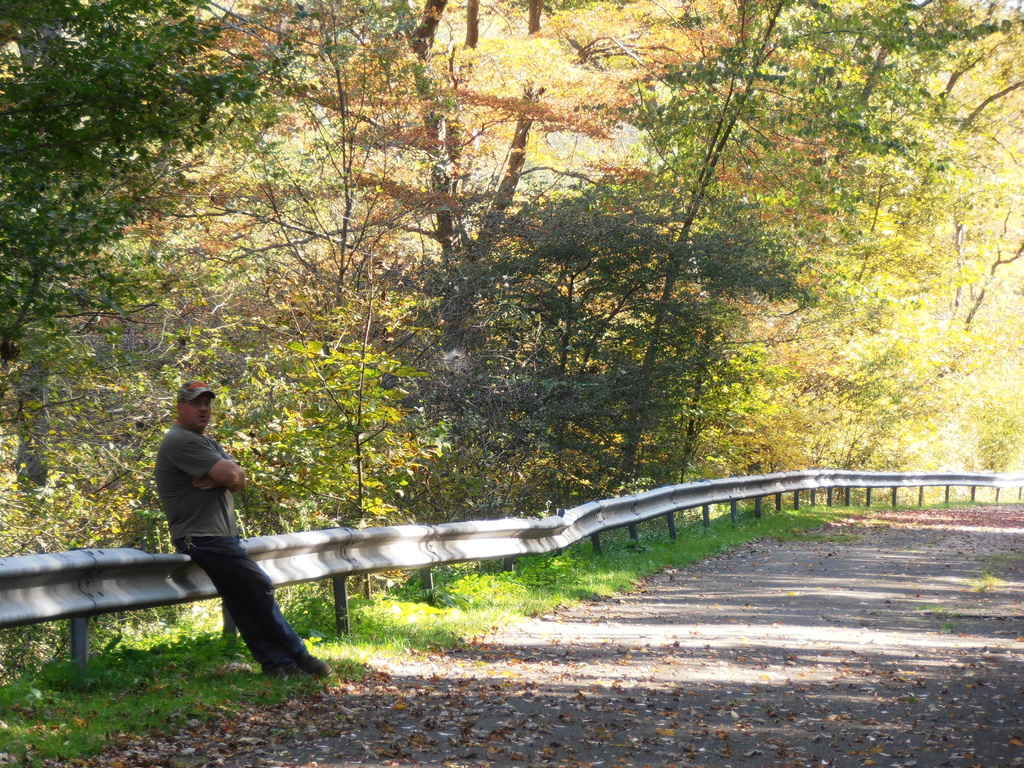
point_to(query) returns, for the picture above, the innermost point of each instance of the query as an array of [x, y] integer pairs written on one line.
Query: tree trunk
[[536, 6], [449, 230], [422, 38], [505, 194], [34, 424], [472, 23]]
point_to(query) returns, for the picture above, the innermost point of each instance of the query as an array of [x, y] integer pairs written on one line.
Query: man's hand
[[206, 483], [224, 473]]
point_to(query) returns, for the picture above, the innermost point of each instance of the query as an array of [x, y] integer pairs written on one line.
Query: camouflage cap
[[190, 390]]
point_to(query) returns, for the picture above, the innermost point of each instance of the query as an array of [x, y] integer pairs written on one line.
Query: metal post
[[814, 496], [80, 641], [561, 550], [778, 502], [427, 579], [796, 499], [947, 494], [920, 496], [508, 564], [757, 507], [670, 518], [341, 604], [868, 497], [633, 534], [228, 621], [847, 495], [894, 495], [997, 495], [828, 495], [595, 541], [732, 511], [706, 510], [974, 490]]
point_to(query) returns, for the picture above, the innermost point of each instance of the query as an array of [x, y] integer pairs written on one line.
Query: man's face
[[195, 414]]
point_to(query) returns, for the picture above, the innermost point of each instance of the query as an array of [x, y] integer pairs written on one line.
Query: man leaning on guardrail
[[197, 480]]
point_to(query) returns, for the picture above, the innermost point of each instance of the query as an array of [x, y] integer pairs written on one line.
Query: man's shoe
[[313, 666], [288, 670]]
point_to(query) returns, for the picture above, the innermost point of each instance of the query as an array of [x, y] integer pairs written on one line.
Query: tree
[[569, 308], [828, 120], [97, 101]]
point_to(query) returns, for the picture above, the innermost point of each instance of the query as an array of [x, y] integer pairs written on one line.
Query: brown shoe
[[288, 670], [313, 666]]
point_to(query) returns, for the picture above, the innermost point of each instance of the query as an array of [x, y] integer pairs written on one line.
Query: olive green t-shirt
[[185, 456]]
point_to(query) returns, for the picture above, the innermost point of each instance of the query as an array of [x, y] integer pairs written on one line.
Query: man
[[196, 480]]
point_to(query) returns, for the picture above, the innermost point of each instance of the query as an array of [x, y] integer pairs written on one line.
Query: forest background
[[471, 260]]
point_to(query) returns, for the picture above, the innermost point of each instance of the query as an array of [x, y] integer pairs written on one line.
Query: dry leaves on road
[[900, 647]]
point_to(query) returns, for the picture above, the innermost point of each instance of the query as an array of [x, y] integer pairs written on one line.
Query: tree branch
[[966, 123]]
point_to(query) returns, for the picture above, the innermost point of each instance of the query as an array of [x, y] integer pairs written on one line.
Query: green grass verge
[[160, 679]]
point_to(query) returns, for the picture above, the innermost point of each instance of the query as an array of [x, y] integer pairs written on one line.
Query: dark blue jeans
[[248, 595]]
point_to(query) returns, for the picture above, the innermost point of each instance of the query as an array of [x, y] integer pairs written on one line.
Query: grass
[[63, 711], [157, 679], [945, 615], [986, 582]]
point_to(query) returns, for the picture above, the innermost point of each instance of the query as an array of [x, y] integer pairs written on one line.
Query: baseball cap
[[190, 390]]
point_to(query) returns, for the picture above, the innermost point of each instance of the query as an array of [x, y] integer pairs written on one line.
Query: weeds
[[986, 582]]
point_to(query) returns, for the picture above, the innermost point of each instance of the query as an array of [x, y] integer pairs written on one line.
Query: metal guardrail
[[83, 583]]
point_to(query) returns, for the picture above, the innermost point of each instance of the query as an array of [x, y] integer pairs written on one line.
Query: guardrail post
[[920, 496], [80, 641], [828, 495], [997, 494], [894, 495], [757, 507], [228, 622], [427, 579], [947, 494], [595, 541], [706, 511], [633, 534], [732, 511], [867, 497], [848, 490], [974, 490], [814, 496], [340, 584], [796, 499], [670, 518], [778, 502], [508, 564]]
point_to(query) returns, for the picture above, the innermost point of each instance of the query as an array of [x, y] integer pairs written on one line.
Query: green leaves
[[96, 99], [325, 436]]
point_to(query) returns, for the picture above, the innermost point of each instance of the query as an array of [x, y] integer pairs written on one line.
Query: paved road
[[881, 646]]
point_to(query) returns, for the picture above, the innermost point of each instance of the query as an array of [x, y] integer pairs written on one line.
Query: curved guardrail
[[82, 583]]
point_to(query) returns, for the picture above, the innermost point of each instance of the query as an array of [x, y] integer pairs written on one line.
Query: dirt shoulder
[[889, 645]]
